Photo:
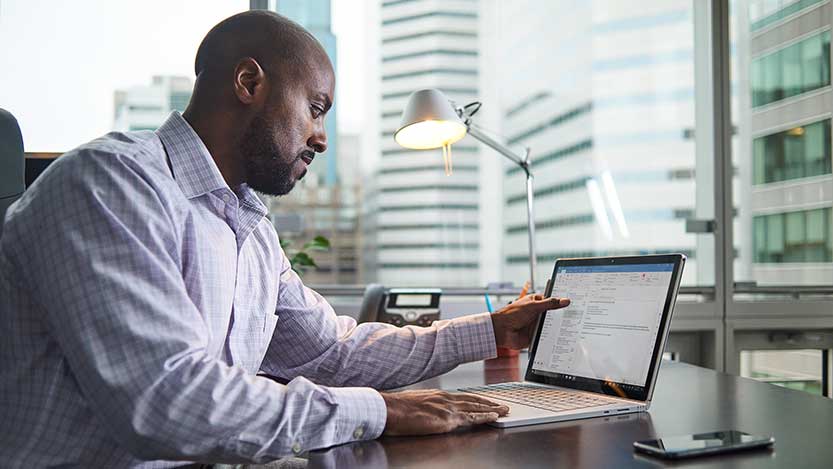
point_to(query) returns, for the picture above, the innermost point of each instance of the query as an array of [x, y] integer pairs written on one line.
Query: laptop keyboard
[[537, 396]]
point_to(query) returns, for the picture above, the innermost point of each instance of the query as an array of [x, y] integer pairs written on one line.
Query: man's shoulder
[[107, 168], [140, 149], [112, 158], [131, 142]]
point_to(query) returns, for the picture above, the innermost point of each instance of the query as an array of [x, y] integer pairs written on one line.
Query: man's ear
[[249, 81]]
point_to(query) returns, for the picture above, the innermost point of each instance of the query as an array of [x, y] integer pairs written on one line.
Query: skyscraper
[[609, 116], [145, 107], [784, 67], [425, 224]]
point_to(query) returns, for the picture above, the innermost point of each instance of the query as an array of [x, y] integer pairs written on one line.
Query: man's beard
[[267, 169]]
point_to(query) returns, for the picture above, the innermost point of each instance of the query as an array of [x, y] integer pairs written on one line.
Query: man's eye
[[316, 112]]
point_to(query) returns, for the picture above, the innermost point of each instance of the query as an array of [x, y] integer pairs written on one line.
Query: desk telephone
[[400, 306]]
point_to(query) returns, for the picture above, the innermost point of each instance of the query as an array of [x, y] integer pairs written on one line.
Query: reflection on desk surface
[[688, 400], [485, 443]]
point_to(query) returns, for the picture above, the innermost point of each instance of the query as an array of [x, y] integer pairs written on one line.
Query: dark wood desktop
[[688, 399]]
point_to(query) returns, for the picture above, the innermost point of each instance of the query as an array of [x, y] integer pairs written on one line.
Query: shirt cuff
[[475, 337], [362, 413]]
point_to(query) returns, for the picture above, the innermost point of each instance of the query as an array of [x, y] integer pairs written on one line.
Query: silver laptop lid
[[611, 338]]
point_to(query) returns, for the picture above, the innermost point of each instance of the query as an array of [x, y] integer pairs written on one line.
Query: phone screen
[[702, 443]]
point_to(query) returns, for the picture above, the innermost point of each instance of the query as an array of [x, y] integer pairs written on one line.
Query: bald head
[[278, 44], [264, 86]]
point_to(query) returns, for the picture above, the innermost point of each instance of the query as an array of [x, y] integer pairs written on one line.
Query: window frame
[[794, 308]]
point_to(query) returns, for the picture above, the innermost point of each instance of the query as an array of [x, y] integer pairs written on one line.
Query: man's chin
[[272, 189], [285, 189]]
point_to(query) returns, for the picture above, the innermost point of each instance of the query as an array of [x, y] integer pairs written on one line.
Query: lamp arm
[[524, 163], [477, 133]]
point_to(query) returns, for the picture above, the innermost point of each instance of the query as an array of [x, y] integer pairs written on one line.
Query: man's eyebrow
[[323, 97]]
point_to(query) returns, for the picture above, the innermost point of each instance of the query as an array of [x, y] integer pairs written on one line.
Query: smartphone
[[687, 446]]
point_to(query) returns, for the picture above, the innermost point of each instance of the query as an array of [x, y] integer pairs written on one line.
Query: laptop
[[600, 355]]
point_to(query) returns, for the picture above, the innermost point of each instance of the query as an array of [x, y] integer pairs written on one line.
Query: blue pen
[[489, 303]]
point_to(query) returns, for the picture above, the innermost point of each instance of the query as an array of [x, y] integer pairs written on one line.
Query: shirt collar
[[250, 199], [192, 166]]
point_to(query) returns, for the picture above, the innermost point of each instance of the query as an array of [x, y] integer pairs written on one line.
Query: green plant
[[300, 259]]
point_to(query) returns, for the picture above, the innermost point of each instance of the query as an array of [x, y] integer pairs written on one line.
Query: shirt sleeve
[[105, 272], [310, 340]]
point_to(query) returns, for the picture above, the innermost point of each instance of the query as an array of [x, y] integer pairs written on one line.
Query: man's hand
[[427, 411], [514, 324]]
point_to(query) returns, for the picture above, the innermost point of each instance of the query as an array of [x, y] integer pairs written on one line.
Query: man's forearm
[[384, 356]]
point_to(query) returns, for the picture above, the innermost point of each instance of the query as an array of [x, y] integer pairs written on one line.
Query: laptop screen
[[606, 339]]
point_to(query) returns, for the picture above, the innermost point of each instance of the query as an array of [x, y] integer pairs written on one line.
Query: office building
[[145, 107], [788, 186], [424, 226], [609, 120]]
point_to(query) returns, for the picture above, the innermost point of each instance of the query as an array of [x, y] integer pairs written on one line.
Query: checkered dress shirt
[[139, 298]]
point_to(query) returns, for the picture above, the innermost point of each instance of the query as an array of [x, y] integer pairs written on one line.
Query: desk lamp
[[430, 120]]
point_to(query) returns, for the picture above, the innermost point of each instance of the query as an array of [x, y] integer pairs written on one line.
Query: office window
[[608, 112], [802, 370], [92, 66], [780, 82], [792, 70], [613, 98], [414, 225], [799, 152], [608, 115], [802, 236]]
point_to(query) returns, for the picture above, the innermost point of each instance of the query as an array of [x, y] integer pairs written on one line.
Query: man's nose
[[318, 140]]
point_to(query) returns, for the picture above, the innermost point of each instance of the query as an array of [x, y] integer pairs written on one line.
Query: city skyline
[[619, 168]]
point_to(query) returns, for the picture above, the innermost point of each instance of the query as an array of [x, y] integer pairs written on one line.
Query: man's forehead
[[319, 77]]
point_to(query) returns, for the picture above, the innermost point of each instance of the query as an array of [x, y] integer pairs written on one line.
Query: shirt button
[[296, 448], [225, 198], [358, 433]]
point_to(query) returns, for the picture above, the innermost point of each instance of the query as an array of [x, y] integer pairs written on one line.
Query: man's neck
[[220, 140]]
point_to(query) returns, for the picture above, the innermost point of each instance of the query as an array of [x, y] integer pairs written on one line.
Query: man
[[142, 288]]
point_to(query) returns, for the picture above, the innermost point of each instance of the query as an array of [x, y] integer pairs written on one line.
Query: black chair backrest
[[12, 166], [34, 168]]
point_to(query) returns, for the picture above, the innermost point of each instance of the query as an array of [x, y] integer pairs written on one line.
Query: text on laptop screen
[[610, 328]]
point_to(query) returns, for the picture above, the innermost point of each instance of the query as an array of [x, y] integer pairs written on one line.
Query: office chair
[[12, 165]]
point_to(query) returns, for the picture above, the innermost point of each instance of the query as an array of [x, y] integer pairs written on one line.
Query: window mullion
[[722, 122]]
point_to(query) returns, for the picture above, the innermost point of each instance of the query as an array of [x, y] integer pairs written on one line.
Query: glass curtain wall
[[781, 65], [781, 80], [613, 99]]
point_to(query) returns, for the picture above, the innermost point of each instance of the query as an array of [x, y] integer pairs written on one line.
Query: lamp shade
[[429, 121]]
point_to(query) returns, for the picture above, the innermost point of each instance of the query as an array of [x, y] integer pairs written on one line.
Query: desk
[[688, 399]]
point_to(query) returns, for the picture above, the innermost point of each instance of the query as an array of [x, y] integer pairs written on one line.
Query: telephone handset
[[373, 303]]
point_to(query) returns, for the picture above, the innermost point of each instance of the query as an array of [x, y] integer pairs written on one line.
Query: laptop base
[[520, 414]]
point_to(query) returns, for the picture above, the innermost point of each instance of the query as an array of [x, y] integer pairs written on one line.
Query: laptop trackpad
[[520, 412]]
